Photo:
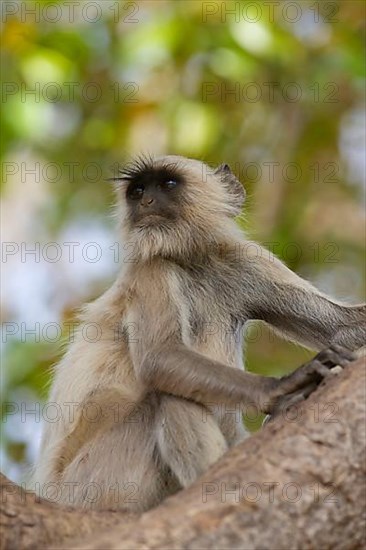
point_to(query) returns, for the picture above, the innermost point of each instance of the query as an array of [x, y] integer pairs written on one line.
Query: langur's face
[[154, 195], [173, 205]]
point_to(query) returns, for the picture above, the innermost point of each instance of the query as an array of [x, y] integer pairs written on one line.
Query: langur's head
[[174, 207]]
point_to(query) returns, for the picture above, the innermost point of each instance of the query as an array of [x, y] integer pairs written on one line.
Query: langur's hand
[[297, 386]]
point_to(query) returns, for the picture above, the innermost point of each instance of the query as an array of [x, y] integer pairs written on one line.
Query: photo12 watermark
[[73, 12], [267, 11], [267, 492]]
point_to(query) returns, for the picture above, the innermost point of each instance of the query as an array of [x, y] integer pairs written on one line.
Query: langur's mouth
[[154, 220], [148, 219]]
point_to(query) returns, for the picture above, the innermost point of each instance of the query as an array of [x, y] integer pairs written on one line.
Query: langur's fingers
[[319, 368], [335, 355]]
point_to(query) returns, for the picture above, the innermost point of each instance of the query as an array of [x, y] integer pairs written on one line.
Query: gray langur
[[143, 407]]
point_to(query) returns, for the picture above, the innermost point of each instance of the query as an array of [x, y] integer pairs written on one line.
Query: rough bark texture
[[28, 522], [298, 483]]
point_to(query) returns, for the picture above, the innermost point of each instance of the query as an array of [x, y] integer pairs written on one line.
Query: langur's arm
[[297, 309], [171, 367]]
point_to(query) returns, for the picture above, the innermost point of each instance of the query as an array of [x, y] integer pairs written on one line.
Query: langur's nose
[[146, 201]]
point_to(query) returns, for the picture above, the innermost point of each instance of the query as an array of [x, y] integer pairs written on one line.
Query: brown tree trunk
[[298, 483]]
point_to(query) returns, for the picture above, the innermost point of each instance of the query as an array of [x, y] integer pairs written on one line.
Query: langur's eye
[[169, 184], [135, 191]]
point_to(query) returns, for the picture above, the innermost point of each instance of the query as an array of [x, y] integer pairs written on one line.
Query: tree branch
[[29, 522], [298, 483]]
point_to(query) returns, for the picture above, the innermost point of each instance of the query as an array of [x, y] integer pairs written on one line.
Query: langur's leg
[[189, 438]]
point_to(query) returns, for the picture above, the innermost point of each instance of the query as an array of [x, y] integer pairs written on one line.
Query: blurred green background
[[274, 89]]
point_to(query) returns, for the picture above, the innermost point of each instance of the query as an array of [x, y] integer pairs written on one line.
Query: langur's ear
[[233, 186]]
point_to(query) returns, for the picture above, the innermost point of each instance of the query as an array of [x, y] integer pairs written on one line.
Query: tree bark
[[29, 522], [298, 483]]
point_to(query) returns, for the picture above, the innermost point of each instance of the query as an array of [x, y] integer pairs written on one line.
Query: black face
[[153, 194]]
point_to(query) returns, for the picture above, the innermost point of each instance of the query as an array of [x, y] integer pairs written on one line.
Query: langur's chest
[[208, 322], [209, 295]]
